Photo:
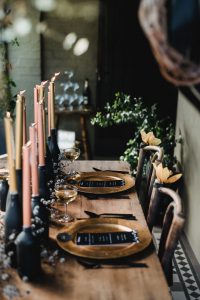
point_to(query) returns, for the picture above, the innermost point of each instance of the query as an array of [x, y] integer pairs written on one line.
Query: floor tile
[[185, 282]]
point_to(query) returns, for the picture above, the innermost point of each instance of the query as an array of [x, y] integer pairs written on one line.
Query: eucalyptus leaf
[[125, 109]]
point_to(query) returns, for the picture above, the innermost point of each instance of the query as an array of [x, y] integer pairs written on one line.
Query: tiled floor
[[186, 285]]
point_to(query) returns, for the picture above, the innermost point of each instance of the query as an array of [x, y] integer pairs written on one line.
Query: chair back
[[173, 223], [145, 177]]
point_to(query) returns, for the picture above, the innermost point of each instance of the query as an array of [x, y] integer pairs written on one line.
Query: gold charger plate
[[105, 225], [104, 176]]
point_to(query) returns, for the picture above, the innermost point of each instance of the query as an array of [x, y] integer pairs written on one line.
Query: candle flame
[[22, 92], [54, 77], [43, 83], [27, 145]]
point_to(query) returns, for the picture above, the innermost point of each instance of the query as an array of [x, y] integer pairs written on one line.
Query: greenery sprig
[[125, 109]]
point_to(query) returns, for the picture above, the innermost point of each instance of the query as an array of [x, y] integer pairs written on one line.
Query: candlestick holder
[[13, 226], [28, 255], [40, 214], [4, 187]]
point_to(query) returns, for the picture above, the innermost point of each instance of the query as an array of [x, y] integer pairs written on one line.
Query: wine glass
[[65, 193], [70, 154]]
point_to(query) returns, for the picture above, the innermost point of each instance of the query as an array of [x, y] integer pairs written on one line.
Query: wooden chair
[[145, 176], [173, 223]]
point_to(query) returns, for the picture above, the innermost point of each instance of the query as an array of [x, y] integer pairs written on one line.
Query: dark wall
[[127, 64]]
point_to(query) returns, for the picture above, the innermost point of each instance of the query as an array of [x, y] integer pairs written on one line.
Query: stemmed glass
[[70, 154], [65, 193]]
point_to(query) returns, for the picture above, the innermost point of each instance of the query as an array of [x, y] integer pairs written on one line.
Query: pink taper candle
[[24, 123], [26, 186], [49, 114], [34, 163], [35, 104], [40, 128]]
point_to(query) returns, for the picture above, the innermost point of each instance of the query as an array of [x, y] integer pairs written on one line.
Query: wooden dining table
[[65, 278]]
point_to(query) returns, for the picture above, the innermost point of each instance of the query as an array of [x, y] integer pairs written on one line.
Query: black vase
[[53, 146], [40, 215], [4, 187], [28, 255], [13, 226]]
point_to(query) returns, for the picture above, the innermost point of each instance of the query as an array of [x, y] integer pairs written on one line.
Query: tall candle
[[8, 122], [34, 163], [40, 135], [24, 123], [44, 126], [52, 98], [42, 99], [52, 101], [19, 131], [26, 186], [49, 114], [35, 104]]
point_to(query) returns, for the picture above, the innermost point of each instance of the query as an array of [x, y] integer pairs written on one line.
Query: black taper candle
[[19, 186], [4, 187], [53, 146], [42, 182], [50, 179]]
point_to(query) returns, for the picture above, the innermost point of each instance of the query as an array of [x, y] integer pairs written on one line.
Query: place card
[[100, 183], [106, 238]]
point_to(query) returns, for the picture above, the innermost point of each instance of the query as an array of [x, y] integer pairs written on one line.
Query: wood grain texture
[[70, 280]]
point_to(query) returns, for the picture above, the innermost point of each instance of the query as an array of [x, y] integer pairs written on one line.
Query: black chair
[[145, 175], [173, 223]]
